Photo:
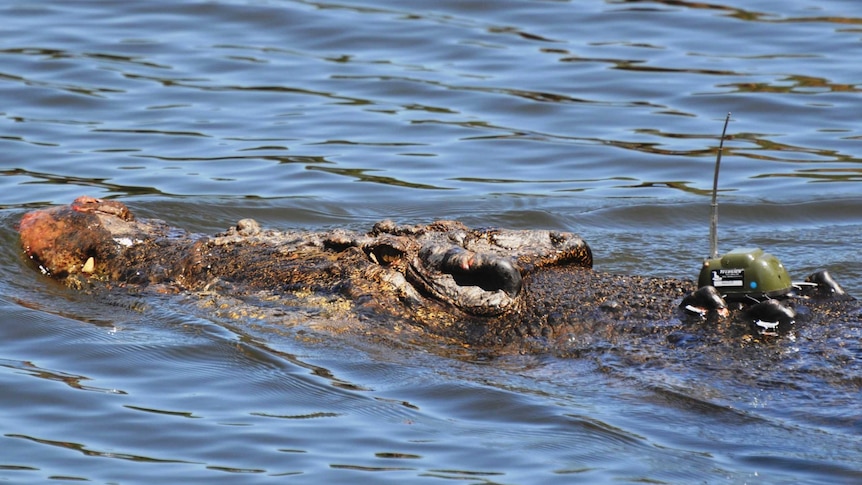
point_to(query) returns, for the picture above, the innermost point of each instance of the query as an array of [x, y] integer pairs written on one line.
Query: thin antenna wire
[[713, 226]]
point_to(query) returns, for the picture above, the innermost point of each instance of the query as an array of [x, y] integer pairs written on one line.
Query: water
[[596, 117]]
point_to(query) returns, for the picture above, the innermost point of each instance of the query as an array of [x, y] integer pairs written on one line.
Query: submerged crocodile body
[[489, 288]]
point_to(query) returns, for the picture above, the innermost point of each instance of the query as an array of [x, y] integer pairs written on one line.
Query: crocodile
[[530, 290]]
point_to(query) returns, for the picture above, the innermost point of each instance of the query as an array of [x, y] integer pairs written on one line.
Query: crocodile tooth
[[89, 266]]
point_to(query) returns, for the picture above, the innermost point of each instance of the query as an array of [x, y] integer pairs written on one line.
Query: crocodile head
[[478, 271]]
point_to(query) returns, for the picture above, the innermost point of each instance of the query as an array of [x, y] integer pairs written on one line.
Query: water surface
[[599, 117]]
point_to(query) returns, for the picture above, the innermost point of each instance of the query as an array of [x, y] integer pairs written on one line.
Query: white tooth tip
[[89, 266], [766, 325]]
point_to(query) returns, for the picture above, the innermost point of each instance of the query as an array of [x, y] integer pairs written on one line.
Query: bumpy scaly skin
[[435, 275], [487, 288]]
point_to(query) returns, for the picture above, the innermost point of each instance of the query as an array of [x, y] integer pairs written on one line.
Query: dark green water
[[598, 117]]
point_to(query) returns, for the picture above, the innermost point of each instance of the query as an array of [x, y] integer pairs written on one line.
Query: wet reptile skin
[[487, 288]]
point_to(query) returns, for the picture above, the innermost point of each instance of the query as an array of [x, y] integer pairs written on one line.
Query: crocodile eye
[[486, 271], [479, 283]]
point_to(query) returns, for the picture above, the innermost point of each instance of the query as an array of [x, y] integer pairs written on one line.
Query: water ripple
[[600, 117]]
